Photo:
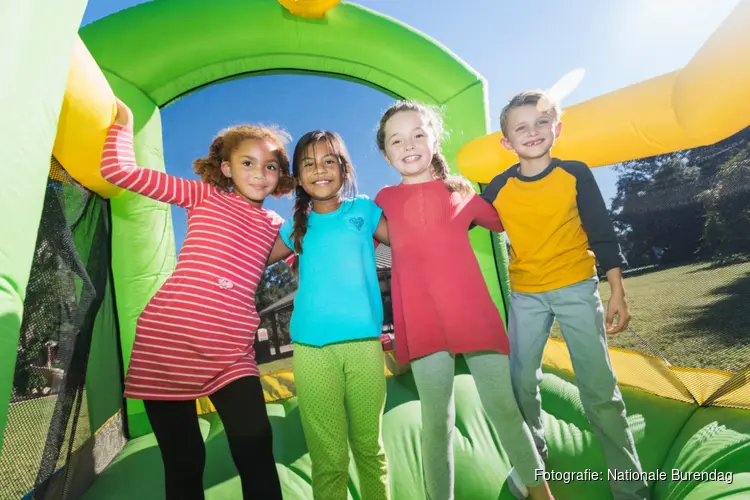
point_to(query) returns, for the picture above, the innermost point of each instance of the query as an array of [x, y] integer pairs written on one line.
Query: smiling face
[[254, 167], [410, 145], [320, 171], [531, 132]]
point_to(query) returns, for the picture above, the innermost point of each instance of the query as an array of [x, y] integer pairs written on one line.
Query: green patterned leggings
[[341, 394]]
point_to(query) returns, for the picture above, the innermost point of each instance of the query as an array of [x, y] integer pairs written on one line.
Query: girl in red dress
[[195, 336], [441, 305]]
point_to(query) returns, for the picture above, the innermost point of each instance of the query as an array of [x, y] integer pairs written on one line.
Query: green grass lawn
[[694, 316], [25, 438]]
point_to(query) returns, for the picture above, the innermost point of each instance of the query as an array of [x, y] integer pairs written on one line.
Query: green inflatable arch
[[180, 46]]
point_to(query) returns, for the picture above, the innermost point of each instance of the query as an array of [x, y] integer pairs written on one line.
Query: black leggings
[[242, 409]]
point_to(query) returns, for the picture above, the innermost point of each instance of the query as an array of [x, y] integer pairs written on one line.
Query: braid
[[299, 228], [454, 183], [439, 166]]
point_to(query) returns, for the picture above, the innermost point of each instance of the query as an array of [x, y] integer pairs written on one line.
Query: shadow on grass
[[720, 263], [725, 316], [640, 271], [700, 266]]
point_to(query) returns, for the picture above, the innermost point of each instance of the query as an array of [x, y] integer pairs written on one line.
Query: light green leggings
[[341, 394], [434, 376]]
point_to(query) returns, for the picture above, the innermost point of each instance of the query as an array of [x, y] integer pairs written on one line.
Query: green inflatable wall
[[688, 452], [157, 52], [35, 72]]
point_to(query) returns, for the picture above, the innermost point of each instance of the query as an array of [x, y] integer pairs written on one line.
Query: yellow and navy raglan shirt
[[557, 224]]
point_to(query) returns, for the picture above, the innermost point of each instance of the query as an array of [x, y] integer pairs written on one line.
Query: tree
[[50, 299], [681, 206], [632, 186], [727, 203], [656, 209], [277, 282]]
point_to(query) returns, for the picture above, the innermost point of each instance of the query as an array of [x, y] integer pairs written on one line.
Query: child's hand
[[124, 116], [617, 306]]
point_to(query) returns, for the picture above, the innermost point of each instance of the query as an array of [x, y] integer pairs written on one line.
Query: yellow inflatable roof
[[701, 104]]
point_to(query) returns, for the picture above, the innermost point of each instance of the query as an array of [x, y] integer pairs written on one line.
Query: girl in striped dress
[[195, 336]]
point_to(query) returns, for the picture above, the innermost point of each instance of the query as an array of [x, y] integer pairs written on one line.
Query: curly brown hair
[[227, 141], [440, 168]]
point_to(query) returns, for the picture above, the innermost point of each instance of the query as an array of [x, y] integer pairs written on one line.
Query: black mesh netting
[[48, 419], [683, 221]]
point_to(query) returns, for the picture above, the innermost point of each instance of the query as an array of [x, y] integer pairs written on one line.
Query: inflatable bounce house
[[80, 258]]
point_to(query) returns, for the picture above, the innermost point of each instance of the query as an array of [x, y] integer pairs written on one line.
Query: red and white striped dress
[[196, 334]]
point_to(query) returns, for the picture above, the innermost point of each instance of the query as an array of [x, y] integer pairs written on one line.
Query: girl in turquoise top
[[337, 320]]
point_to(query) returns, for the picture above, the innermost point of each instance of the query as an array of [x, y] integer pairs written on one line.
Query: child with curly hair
[[195, 336]]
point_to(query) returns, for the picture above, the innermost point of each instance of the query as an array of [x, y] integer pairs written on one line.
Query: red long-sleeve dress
[[440, 298], [196, 333]]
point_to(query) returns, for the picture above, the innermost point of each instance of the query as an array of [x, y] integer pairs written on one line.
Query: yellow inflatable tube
[[699, 105], [88, 110]]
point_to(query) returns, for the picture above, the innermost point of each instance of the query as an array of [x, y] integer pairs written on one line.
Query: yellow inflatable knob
[[309, 8]]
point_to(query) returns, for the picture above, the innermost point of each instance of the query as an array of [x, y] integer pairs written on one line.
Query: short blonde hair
[[538, 98]]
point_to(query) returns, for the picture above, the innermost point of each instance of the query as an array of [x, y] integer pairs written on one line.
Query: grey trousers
[[580, 314], [434, 376]]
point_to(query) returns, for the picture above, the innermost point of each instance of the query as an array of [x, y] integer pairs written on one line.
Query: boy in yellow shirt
[[558, 225]]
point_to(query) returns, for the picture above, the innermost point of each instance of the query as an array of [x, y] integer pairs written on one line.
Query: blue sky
[[514, 45]]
